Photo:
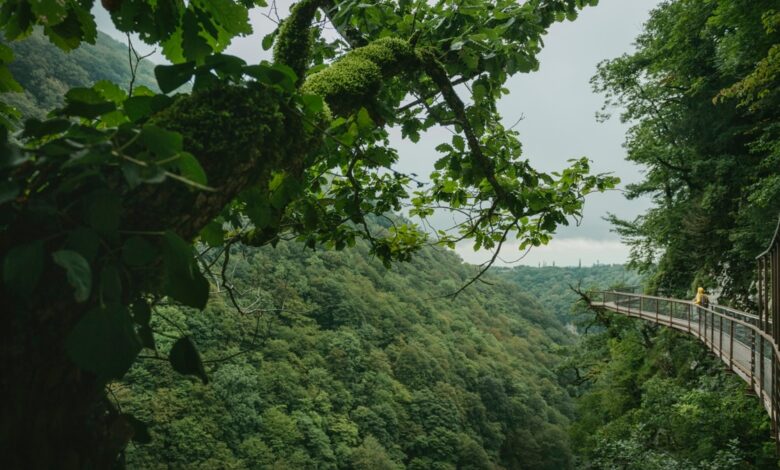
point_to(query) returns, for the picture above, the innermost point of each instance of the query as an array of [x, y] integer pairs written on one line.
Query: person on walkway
[[701, 298]]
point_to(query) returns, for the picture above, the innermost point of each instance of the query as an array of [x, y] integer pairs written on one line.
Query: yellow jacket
[[701, 297]]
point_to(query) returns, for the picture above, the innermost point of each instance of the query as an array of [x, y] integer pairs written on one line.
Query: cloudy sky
[[557, 107]]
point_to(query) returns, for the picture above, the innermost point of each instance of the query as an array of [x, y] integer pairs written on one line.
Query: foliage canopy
[[102, 198]]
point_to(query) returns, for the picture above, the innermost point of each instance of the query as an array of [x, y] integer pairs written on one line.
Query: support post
[[731, 345], [761, 372], [689, 318], [752, 360]]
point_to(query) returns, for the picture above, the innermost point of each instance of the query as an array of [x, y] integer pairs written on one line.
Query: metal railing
[[743, 341]]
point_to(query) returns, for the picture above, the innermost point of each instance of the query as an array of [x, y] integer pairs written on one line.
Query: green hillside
[[550, 285], [345, 364], [48, 73]]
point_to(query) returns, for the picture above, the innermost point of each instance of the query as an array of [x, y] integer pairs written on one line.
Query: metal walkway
[[747, 343]]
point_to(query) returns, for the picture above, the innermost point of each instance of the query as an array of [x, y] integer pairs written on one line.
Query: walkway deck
[[738, 338]]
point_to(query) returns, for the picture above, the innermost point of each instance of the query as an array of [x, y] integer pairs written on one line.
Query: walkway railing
[[743, 341]]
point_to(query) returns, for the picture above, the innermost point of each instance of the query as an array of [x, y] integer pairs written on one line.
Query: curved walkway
[[741, 340]]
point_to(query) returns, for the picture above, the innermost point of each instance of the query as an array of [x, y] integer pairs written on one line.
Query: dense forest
[[215, 278], [701, 95], [340, 363], [555, 286]]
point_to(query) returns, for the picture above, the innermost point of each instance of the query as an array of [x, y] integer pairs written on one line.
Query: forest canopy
[[105, 198], [701, 94]]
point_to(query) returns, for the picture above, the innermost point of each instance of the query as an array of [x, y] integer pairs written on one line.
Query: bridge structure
[[747, 342]]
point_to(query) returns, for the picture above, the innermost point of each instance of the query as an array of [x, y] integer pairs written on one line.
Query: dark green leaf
[[104, 342], [103, 211], [212, 234], [84, 241], [110, 284], [190, 168], [171, 77], [186, 360], [78, 272], [268, 41], [161, 142], [183, 280], [137, 251], [22, 268], [87, 103], [147, 337]]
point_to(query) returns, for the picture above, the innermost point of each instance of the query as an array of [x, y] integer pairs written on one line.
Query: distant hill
[[47, 72], [550, 285]]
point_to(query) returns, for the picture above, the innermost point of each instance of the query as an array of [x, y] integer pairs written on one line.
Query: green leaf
[[364, 120], [161, 142], [194, 46], [22, 268], [312, 104], [139, 107], [110, 91], [137, 251], [86, 103], [212, 234], [49, 12], [104, 342], [183, 280], [171, 77], [7, 81], [84, 241], [78, 272], [34, 128], [103, 211], [190, 168], [278, 75], [186, 360], [268, 41], [110, 284]]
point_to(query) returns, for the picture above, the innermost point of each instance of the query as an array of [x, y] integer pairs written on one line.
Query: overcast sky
[[558, 109]]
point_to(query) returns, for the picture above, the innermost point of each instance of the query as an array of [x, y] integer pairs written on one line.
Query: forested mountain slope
[[47, 72], [551, 285], [356, 366]]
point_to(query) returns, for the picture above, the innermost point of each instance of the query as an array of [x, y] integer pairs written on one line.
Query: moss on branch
[[240, 135], [353, 80], [293, 45]]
